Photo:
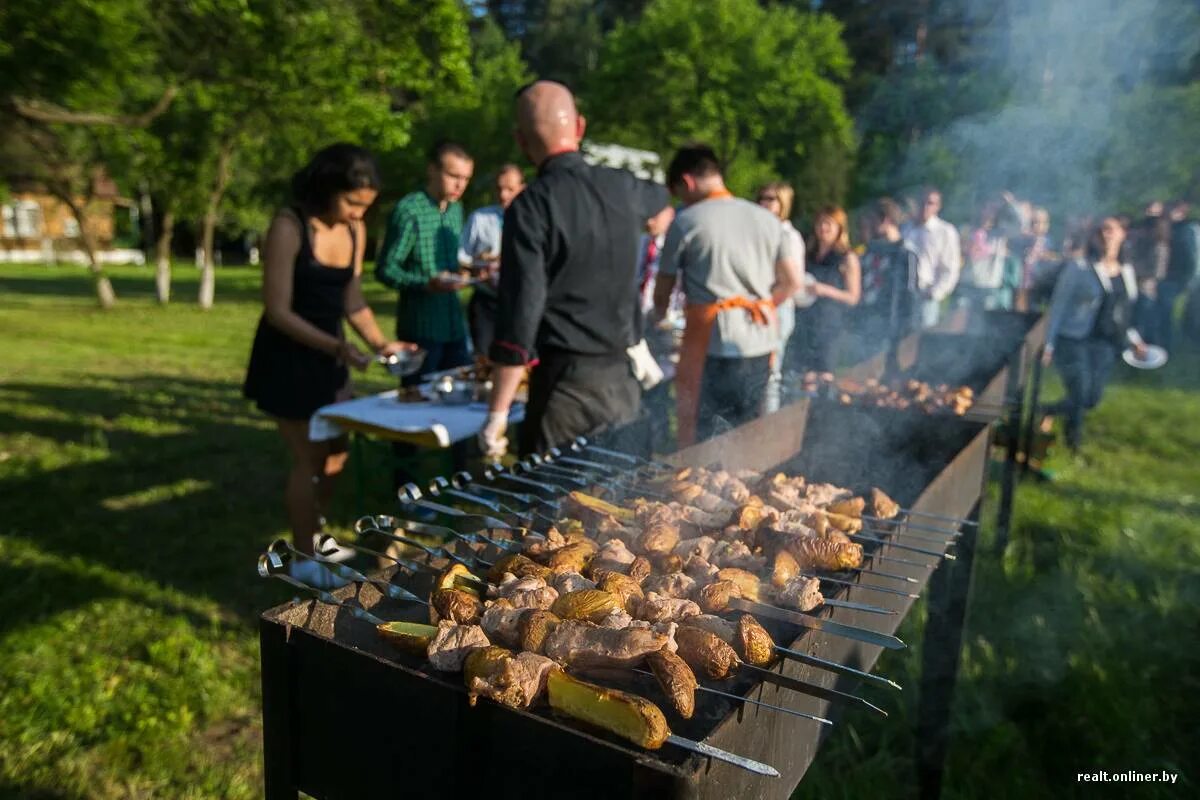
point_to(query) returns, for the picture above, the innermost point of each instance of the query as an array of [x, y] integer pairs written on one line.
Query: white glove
[[645, 368], [492, 441]]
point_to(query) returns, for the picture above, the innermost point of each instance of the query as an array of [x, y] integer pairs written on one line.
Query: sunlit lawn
[[136, 488]]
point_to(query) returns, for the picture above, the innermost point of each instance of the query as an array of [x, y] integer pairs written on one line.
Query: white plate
[[805, 298], [1155, 357]]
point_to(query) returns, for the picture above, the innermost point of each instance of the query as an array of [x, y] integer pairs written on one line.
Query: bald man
[[568, 284]]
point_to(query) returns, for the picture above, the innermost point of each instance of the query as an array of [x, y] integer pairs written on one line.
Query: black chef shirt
[[568, 261]]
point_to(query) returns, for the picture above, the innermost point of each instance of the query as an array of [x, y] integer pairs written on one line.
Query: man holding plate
[[420, 258]]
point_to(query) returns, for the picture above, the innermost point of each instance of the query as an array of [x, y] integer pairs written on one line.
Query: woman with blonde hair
[[777, 197], [837, 287]]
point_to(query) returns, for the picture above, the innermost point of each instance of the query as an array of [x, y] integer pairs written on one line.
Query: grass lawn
[[137, 487]]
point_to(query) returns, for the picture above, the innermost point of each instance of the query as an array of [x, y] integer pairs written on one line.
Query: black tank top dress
[[290, 380]]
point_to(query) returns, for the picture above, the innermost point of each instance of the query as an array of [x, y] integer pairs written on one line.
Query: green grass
[[137, 487]]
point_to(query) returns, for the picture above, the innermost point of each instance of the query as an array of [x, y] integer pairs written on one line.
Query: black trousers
[[731, 393], [575, 395], [481, 317]]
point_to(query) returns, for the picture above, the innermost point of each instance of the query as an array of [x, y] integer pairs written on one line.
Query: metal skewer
[[740, 698], [930, 515], [386, 525], [903, 523], [787, 682], [891, 575], [901, 534], [859, 537], [394, 592], [270, 565], [724, 755], [833, 666], [856, 585], [817, 623]]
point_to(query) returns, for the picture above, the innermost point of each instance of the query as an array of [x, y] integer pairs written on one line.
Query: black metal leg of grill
[[949, 589], [1014, 391], [1035, 402], [277, 702]]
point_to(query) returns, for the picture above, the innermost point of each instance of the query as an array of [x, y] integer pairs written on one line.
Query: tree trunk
[[208, 277], [162, 257], [105, 293]]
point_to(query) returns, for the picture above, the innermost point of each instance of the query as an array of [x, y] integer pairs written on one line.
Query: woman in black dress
[[838, 286], [311, 283]]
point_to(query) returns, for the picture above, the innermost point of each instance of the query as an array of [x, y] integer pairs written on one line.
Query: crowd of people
[[573, 271]]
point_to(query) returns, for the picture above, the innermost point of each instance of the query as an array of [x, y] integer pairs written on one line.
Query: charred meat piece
[[676, 679], [655, 608], [699, 546], [584, 645], [659, 538], [640, 569], [700, 570], [822, 494], [722, 628], [525, 592], [453, 643], [613, 555], [565, 582], [672, 584], [883, 506], [502, 622], [737, 554], [514, 681], [800, 593]]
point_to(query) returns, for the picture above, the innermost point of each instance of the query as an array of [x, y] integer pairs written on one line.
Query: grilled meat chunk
[[453, 643], [822, 494], [801, 593], [851, 507], [883, 506], [747, 582], [737, 554], [659, 538], [656, 608], [700, 570], [715, 597], [502, 623], [701, 546], [584, 645], [640, 569], [565, 582], [672, 584], [524, 592], [613, 556], [455, 605], [722, 628], [554, 540], [514, 681]]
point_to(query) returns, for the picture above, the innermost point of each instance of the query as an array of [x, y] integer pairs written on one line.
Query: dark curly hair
[[337, 168]]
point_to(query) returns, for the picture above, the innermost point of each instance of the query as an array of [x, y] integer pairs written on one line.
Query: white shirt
[[939, 256], [481, 234]]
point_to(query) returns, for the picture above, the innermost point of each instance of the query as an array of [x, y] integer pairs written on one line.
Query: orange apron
[[689, 373]]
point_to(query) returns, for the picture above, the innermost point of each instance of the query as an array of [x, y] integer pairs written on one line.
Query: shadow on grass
[[14, 791], [189, 491]]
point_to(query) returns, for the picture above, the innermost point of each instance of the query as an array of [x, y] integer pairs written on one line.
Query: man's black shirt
[[568, 263]]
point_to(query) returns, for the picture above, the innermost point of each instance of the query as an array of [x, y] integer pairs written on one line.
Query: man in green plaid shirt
[[419, 249]]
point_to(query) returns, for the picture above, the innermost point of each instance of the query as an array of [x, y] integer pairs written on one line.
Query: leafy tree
[[761, 85], [75, 78]]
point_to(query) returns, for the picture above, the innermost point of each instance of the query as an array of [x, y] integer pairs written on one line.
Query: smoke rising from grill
[[1089, 85]]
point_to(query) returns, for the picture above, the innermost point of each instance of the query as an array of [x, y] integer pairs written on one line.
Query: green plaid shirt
[[421, 241]]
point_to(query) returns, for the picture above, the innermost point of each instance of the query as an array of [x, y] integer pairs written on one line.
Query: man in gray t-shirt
[[736, 267]]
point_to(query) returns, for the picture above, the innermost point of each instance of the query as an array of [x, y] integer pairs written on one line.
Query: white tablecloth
[[382, 415]]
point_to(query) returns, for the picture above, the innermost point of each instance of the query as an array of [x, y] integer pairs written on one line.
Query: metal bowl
[[452, 391], [404, 363]]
